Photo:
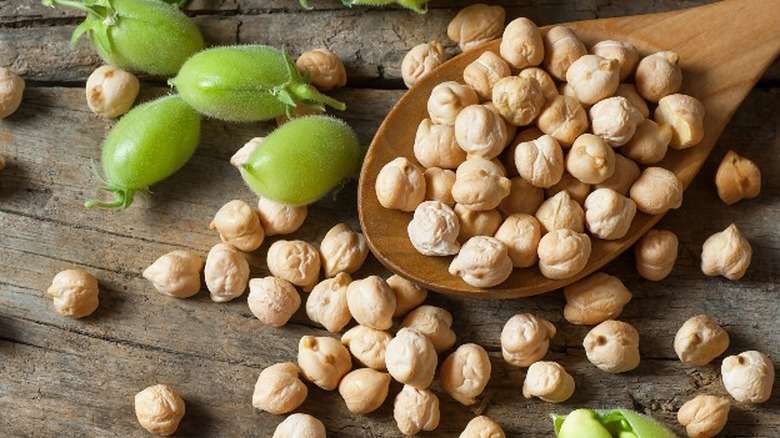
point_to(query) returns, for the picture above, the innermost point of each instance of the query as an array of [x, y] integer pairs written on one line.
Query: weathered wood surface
[[77, 378]]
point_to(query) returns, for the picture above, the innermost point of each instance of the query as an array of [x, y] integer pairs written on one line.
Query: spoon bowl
[[724, 49]]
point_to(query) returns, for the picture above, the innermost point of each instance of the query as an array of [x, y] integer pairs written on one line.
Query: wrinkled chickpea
[[562, 48], [650, 142], [540, 161], [400, 185], [226, 273], [563, 253], [561, 211], [176, 274], [323, 361], [737, 178], [613, 346], [433, 322], [518, 99], [239, 225], [685, 114], [658, 75], [548, 381], [623, 52], [159, 409], [480, 132], [522, 198], [465, 373], [525, 339], [656, 254], [279, 389], [371, 302], [564, 119], [546, 82], [577, 189], [615, 120], [447, 100], [700, 340], [483, 73], [111, 91], [482, 427], [416, 410], [11, 91], [656, 191], [435, 146], [590, 159], [476, 223], [411, 358], [295, 261], [75, 293], [482, 262], [475, 25], [277, 218], [369, 346], [324, 68], [480, 184], [521, 44], [593, 78], [300, 426], [364, 390], [407, 294], [626, 172], [342, 250], [434, 229], [704, 416], [595, 299], [272, 300], [420, 61], [727, 253], [521, 234], [438, 185], [527, 134], [327, 303], [748, 376], [608, 214], [630, 92]]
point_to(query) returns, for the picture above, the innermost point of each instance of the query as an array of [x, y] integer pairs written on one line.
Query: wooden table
[[77, 378]]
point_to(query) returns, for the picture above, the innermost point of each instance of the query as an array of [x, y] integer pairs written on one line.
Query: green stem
[[307, 93], [122, 199], [70, 4]]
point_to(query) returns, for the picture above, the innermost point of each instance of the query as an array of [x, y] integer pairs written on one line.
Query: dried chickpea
[[176, 274], [327, 303], [521, 234], [623, 52], [590, 159], [540, 161], [483, 73], [549, 89], [411, 358], [658, 75], [522, 198], [626, 172], [476, 223], [480, 184], [433, 322], [447, 100], [511, 130], [111, 91], [727, 253], [630, 92], [700, 340], [685, 114], [564, 119], [465, 373], [562, 48], [277, 218], [369, 346], [272, 300], [704, 416], [650, 142], [548, 381], [438, 185], [656, 191], [593, 78], [11, 91], [608, 214], [407, 295], [159, 409], [561, 211], [241, 157], [527, 134], [279, 389], [295, 261], [656, 253], [342, 250], [482, 427], [435, 146], [300, 426], [482, 262], [324, 69], [748, 376], [521, 44], [615, 120], [737, 178], [420, 61], [400, 185], [434, 229], [518, 99], [415, 410], [480, 132], [323, 361], [364, 390], [475, 25], [226, 273], [371, 302], [595, 299], [525, 339], [239, 225], [613, 346], [75, 293], [563, 253], [577, 189]]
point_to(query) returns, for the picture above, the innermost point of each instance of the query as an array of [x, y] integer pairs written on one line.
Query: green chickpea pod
[[616, 423]]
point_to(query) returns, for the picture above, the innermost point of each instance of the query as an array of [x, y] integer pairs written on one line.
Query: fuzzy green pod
[[614, 423], [150, 143], [149, 36], [249, 83], [419, 6], [302, 160]]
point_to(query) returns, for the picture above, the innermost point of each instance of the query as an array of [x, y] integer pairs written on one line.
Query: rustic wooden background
[[60, 377]]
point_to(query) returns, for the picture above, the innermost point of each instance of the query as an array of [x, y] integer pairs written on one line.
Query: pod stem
[[122, 198], [100, 15], [298, 89]]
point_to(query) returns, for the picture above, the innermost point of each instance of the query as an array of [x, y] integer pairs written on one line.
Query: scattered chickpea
[[521, 44], [623, 52], [465, 373], [626, 172], [364, 390], [700, 340], [522, 198], [11, 91], [226, 273], [400, 185], [447, 100], [482, 427], [277, 218], [242, 155], [748, 377], [548, 381], [272, 300], [407, 295], [300, 426], [342, 250], [615, 120], [593, 78], [737, 178], [438, 185], [685, 114], [434, 229], [561, 211], [608, 214], [546, 82], [590, 159], [650, 142], [656, 191], [630, 92], [324, 68], [577, 189], [656, 254], [658, 75], [415, 410], [111, 91], [323, 361], [483, 73], [327, 303], [613, 346], [562, 48], [563, 253], [540, 161], [435, 146], [521, 234], [279, 389], [595, 299], [726, 253], [433, 322], [518, 99], [176, 274], [482, 262], [480, 132], [295, 261], [420, 61], [239, 225], [369, 346], [371, 302], [564, 119], [476, 223], [159, 409], [475, 25], [411, 358], [480, 184], [75, 293], [704, 416], [525, 339]]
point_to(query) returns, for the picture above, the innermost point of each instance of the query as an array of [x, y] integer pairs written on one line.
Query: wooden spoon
[[724, 49]]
